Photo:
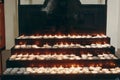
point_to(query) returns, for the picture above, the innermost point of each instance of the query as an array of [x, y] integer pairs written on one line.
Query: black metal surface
[[65, 63], [81, 41], [63, 77]]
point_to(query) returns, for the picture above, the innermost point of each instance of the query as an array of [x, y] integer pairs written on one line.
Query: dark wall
[[91, 19]]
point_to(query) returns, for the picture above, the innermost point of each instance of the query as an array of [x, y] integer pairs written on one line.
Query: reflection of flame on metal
[[32, 65], [112, 64]]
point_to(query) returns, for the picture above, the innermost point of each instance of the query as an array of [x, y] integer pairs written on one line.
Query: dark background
[[91, 19]]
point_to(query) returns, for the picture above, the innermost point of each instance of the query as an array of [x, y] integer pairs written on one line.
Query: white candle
[[89, 55], [46, 46], [17, 46], [35, 46], [50, 36], [84, 56], [80, 71], [29, 69], [19, 72], [53, 72], [87, 46], [94, 72], [78, 36], [87, 72], [32, 37], [26, 73], [88, 36], [45, 36], [19, 58], [23, 58], [25, 55]]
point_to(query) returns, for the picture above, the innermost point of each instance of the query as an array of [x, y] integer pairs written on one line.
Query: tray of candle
[[51, 62], [46, 48], [62, 70], [61, 56], [72, 73], [62, 45], [61, 36], [62, 73]]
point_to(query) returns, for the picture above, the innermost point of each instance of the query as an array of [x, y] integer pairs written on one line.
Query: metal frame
[[106, 1]]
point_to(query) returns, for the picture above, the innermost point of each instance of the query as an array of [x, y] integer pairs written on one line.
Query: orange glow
[[37, 43], [32, 65], [22, 43], [112, 64]]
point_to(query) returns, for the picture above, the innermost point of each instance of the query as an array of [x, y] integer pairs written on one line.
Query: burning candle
[[67, 71], [66, 45], [78, 36], [30, 58], [73, 36], [26, 73], [77, 58], [61, 45], [17, 46], [88, 36], [77, 45], [59, 36], [50, 36], [69, 36], [87, 46], [23, 46], [72, 45], [90, 58], [46, 46], [7, 71], [98, 36], [20, 55], [19, 72], [35, 46], [23, 58], [80, 72], [13, 57], [108, 72], [114, 72], [53, 72], [14, 70], [45, 36], [83, 36], [19, 58], [26, 55], [94, 72], [32, 37], [104, 36], [87, 72], [74, 72], [89, 55], [84, 56]]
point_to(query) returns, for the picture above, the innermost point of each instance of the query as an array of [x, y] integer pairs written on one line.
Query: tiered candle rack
[[29, 61]]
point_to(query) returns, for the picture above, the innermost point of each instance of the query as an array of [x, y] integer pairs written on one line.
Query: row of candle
[[62, 36], [62, 70], [64, 46], [62, 57]]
